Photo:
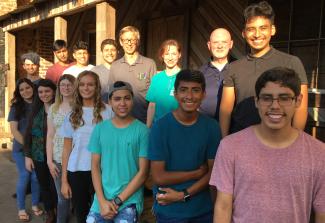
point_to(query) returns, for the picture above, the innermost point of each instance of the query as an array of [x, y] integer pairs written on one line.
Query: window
[[301, 32]]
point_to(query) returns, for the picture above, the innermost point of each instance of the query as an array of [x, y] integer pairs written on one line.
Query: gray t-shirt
[[103, 74], [242, 75], [22, 124], [139, 76]]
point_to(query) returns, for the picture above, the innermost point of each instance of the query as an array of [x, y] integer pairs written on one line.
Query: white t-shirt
[[75, 70], [80, 157]]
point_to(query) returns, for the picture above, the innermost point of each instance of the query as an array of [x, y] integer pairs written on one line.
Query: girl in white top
[[87, 111], [54, 142]]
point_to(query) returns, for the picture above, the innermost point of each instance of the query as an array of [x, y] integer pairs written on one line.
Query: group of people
[[90, 135]]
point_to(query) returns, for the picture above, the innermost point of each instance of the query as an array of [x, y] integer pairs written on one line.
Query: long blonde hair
[[58, 95], [77, 112]]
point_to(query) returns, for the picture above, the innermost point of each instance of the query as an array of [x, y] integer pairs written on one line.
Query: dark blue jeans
[[204, 218]]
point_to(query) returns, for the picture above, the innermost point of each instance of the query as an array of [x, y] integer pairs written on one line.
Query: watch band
[[117, 200], [187, 195]]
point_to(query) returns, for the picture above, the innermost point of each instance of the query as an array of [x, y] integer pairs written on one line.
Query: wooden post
[[60, 30], [10, 58], [105, 26]]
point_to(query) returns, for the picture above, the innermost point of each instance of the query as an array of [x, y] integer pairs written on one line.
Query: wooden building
[[35, 24]]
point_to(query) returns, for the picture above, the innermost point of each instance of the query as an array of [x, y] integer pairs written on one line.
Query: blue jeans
[[63, 208], [24, 177], [126, 215], [206, 218]]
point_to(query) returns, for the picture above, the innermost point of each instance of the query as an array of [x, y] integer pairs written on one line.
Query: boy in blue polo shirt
[[182, 147], [119, 164]]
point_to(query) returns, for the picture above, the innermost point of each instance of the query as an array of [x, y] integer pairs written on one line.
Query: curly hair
[[77, 112], [58, 95], [17, 101]]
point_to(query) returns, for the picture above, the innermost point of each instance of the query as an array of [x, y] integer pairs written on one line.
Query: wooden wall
[[200, 18]]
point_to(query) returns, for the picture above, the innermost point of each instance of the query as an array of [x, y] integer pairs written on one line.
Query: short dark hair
[[190, 76], [108, 42], [262, 9], [284, 76], [80, 45], [59, 44]]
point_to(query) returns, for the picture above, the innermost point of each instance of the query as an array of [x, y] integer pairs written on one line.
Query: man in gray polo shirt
[[237, 109], [134, 69]]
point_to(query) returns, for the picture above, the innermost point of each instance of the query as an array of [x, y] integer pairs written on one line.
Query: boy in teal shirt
[[119, 163]]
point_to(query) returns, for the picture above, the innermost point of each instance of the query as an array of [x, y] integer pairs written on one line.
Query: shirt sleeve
[[144, 142], [94, 145], [66, 130], [153, 69], [222, 175], [214, 140], [299, 68], [48, 74], [156, 150], [228, 80], [319, 185], [150, 96], [11, 116]]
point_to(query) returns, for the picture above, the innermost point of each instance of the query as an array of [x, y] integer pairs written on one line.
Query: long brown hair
[[77, 112]]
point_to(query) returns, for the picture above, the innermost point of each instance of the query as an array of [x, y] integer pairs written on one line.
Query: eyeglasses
[[132, 41], [265, 100]]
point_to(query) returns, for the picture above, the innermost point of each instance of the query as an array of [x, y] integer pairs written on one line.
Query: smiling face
[[273, 115], [45, 94], [220, 43], [171, 56], [129, 42], [121, 102], [109, 53], [257, 33], [30, 67], [87, 87], [189, 96], [66, 88], [26, 91], [81, 56]]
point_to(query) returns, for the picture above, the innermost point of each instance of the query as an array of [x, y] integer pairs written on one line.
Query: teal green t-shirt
[[120, 150], [161, 92]]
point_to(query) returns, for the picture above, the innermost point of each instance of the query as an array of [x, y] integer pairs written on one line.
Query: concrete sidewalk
[[8, 177]]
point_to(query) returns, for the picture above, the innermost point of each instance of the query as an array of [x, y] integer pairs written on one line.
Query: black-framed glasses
[[284, 100]]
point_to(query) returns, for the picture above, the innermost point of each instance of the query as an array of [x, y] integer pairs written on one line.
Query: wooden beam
[[46, 11], [10, 58], [105, 26], [60, 30]]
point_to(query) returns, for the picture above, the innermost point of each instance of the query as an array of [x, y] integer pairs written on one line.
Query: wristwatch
[[117, 200], [187, 195]]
